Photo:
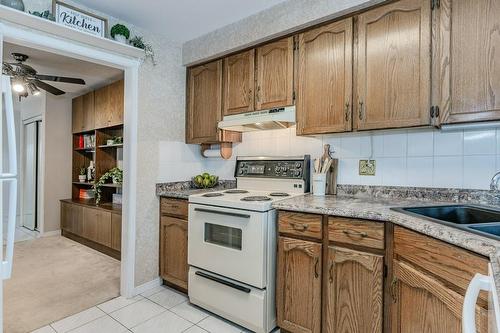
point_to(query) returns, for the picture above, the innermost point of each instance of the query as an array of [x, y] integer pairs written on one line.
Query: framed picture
[[78, 19]]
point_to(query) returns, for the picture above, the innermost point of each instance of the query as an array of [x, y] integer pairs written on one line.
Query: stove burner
[[236, 191], [211, 195], [279, 194], [256, 198]]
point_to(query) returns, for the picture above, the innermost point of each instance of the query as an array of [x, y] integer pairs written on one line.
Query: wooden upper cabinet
[[468, 61], [204, 109], [77, 114], [421, 303], [109, 103], [274, 74], [393, 64], [239, 82], [354, 291], [83, 113], [298, 294], [324, 88]]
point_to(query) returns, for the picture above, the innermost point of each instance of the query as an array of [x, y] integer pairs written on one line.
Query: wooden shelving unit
[[99, 114]]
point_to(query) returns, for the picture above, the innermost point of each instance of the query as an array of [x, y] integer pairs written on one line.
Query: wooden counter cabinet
[[174, 242]]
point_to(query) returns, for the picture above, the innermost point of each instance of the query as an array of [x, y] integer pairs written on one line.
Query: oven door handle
[[204, 210], [224, 282]]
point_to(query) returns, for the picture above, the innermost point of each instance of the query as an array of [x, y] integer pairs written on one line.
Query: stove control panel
[[293, 168]]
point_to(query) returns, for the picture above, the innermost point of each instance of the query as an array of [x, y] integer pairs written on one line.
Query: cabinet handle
[[347, 113], [250, 95], [351, 233], [316, 274], [330, 272], [360, 110], [394, 294], [299, 226], [258, 94]]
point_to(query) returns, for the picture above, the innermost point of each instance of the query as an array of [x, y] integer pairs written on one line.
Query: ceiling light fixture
[[34, 89], [18, 87]]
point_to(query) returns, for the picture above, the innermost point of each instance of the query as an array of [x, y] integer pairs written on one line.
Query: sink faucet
[[495, 182]]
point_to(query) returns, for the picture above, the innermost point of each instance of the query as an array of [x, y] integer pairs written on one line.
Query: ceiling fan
[[25, 78]]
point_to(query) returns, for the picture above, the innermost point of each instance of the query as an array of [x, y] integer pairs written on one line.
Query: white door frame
[[12, 33]]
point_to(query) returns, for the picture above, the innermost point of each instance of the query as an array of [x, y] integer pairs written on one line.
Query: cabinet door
[[90, 218], [77, 219], [239, 83], [325, 79], [66, 217], [109, 103], [298, 291], [116, 103], [468, 61], [88, 111], [393, 66], [77, 115], [423, 304], [116, 232], [274, 74], [204, 108], [173, 250], [354, 291], [103, 235]]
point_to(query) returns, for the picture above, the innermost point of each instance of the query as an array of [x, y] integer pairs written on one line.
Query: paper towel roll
[[213, 152]]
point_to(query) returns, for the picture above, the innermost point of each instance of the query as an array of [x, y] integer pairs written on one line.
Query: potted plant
[[82, 177], [120, 33], [138, 41], [115, 175]]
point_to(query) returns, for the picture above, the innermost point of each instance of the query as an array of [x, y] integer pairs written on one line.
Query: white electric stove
[[232, 240]]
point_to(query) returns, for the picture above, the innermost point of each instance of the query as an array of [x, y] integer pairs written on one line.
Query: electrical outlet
[[367, 167]]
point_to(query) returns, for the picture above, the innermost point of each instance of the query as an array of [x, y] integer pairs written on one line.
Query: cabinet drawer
[[175, 207], [356, 232], [300, 224], [452, 264]]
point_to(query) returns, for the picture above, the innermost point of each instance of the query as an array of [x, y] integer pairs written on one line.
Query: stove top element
[[279, 194], [256, 198], [236, 191], [213, 195]]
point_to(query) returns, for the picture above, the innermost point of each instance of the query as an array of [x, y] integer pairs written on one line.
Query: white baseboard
[[148, 285], [51, 233]]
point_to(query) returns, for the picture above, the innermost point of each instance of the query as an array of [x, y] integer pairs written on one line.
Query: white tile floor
[[159, 310], [21, 234]]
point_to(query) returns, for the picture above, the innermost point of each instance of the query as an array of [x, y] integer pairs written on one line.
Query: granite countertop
[[379, 209], [183, 189]]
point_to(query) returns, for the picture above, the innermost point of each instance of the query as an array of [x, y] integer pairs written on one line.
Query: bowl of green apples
[[205, 180]]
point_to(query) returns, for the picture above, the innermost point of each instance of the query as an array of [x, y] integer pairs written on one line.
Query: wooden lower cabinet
[[423, 304], [95, 227], [173, 251], [298, 294], [354, 286]]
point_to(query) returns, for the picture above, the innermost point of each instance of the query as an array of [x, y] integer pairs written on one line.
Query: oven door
[[229, 242]]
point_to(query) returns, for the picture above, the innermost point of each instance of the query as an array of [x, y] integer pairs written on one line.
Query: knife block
[[331, 177]]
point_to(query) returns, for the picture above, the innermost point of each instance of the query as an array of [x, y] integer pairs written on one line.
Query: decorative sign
[[78, 19]]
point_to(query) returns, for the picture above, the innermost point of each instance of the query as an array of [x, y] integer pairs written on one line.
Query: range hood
[[259, 120]]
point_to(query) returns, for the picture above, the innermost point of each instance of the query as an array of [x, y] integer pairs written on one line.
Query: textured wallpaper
[[160, 119]]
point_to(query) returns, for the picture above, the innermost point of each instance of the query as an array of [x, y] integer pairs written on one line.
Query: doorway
[[31, 175]]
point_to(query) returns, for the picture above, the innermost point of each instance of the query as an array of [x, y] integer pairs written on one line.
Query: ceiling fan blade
[[51, 89], [60, 79]]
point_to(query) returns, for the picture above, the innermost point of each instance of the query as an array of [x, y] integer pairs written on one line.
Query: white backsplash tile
[[448, 143], [448, 171], [419, 171], [415, 157], [420, 143], [395, 144], [478, 171], [480, 142]]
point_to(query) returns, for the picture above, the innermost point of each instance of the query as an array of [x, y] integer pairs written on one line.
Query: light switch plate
[[367, 167]]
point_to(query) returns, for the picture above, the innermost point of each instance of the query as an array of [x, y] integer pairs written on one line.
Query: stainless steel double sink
[[480, 220]]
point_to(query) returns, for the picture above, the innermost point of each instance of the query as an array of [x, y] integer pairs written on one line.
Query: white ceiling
[[180, 20], [54, 64]]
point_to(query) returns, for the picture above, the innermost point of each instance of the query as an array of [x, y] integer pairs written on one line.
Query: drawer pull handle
[[299, 226], [316, 274], [354, 233], [224, 282], [330, 271], [394, 294]]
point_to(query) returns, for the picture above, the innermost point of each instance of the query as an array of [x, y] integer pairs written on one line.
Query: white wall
[[57, 159]]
